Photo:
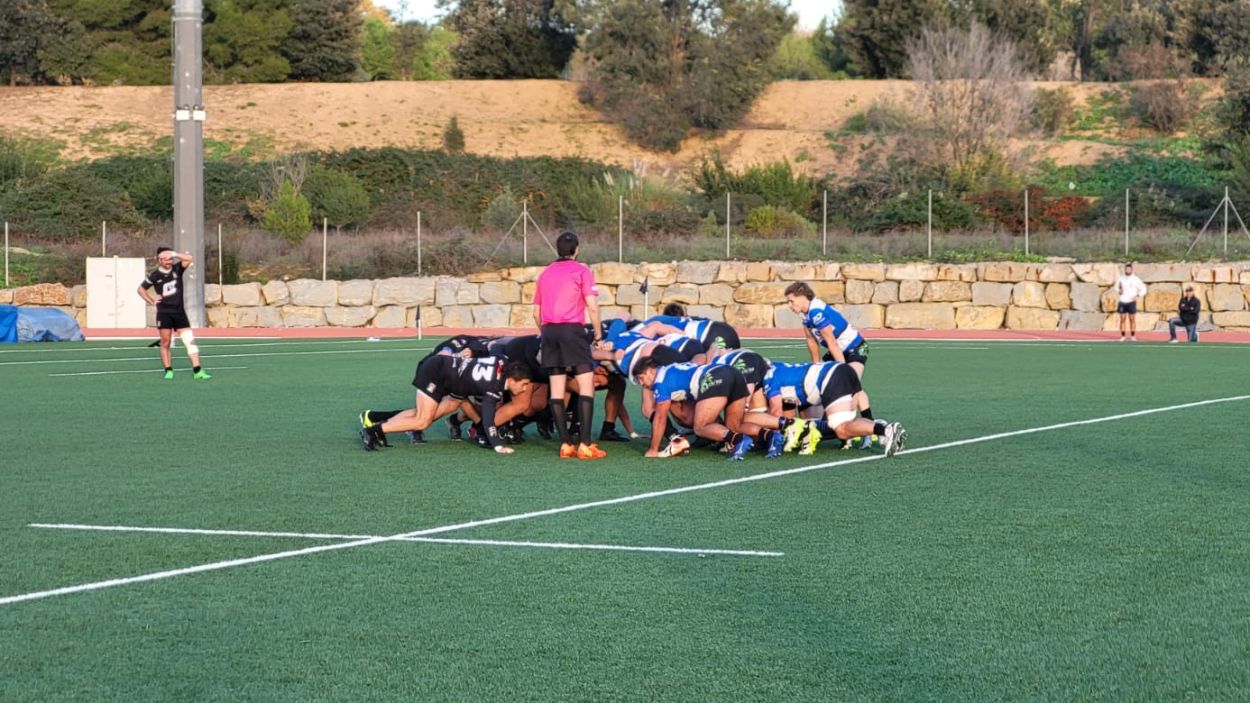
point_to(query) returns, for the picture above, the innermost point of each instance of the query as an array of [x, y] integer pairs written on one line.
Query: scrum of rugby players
[[695, 381]]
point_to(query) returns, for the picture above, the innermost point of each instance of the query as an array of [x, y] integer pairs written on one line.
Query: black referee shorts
[[566, 349]]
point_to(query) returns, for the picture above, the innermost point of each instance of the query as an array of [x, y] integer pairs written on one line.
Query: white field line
[[196, 531], [211, 342], [598, 547], [216, 566], [435, 540], [236, 355], [110, 373]]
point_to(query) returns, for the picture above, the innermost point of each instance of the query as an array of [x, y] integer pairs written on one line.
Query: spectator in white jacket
[[1130, 289]]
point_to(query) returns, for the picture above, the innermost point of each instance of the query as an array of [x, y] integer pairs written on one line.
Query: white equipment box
[[112, 300]]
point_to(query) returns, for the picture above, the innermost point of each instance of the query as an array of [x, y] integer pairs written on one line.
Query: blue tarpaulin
[[8, 324], [37, 325]]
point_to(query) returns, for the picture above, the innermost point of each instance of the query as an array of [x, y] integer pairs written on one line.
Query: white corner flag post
[[189, 150]]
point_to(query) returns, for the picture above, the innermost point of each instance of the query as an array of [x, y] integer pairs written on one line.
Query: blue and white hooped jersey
[[821, 315], [693, 328], [676, 341], [625, 366], [801, 382], [678, 382]]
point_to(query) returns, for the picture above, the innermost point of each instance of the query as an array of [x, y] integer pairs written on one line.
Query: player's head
[[799, 297], [674, 310], [1189, 290], [165, 256], [645, 370], [1128, 269], [517, 377], [566, 246], [600, 378]]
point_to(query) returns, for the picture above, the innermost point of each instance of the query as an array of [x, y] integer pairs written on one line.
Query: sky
[[809, 11]]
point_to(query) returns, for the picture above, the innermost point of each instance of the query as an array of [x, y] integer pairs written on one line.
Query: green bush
[[22, 159], [502, 211], [288, 215], [881, 117], [336, 196], [453, 137], [1052, 110], [911, 211], [68, 204], [776, 184], [772, 222]]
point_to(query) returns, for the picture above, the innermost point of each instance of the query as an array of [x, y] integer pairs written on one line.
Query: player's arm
[[826, 334], [488, 421], [658, 329], [185, 259], [659, 424], [813, 349], [592, 308], [144, 289]]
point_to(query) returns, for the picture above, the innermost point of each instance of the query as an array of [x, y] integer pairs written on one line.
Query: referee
[[566, 291]]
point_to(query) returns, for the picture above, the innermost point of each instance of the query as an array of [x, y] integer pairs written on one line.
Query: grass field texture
[[1099, 561]]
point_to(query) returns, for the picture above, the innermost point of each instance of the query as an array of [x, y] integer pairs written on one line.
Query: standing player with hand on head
[[565, 294], [171, 316]]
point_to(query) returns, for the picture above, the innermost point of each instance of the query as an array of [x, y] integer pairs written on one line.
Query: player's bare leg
[[166, 335]]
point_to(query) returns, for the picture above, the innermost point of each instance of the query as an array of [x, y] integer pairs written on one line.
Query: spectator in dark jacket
[[1188, 308]]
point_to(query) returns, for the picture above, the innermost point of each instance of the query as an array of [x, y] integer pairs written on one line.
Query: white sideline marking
[[195, 531], [436, 540], [218, 356], [141, 342], [108, 373], [215, 566]]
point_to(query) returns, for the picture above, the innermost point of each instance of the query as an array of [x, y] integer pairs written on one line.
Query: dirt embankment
[[502, 118]]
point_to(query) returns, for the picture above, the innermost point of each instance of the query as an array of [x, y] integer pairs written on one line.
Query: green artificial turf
[[1106, 561]]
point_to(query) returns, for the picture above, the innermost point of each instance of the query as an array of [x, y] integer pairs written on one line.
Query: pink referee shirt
[[562, 291]]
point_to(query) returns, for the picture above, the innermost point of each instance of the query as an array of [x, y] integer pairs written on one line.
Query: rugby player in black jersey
[[171, 316], [443, 383]]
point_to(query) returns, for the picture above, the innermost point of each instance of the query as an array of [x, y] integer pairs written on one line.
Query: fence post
[[418, 242], [726, 225], [1126, 206], [6, 253], [930, 227], [824, 226], [525, 232], [1227, 203], [220, 257], [1026, 221], [620, 229], [104, 236], [325, 244]]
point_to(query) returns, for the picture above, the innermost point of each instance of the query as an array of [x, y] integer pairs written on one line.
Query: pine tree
[[324, 42], [510, 39]]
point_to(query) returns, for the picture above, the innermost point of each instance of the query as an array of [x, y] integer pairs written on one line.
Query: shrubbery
[[1052, 110], [771, 222], [288, 215], [338, 197], [1163, 106], [68, 204]]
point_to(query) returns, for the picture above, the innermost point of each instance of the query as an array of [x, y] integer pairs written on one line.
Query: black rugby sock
[[380, 416], [586, 413], [878, 428], [866, 413], [561, 423]]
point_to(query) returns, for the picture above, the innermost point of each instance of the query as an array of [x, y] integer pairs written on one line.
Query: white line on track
[[110, 373], [212, 343], [217, 566], [236, 355], [434, 540]]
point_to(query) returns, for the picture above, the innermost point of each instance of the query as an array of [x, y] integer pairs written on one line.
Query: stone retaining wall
[[995, 295]]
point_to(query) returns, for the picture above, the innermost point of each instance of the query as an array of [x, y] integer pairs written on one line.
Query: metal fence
[[527, 241]]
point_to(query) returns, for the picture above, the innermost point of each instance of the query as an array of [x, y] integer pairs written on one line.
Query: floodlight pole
[[189, 149]]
